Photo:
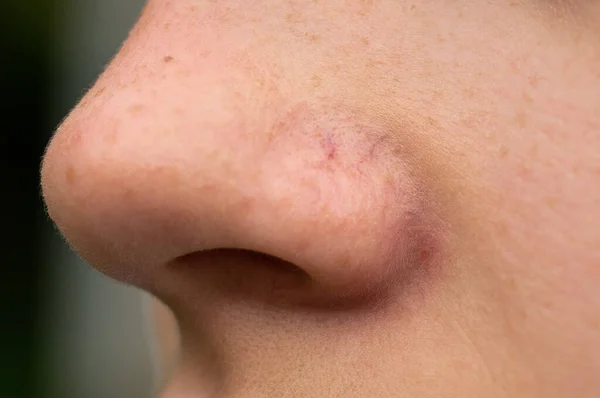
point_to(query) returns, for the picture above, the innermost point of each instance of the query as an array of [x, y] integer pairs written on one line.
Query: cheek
[[165, 339], [530, 244]]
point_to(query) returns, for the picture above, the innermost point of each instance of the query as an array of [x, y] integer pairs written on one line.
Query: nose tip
[[127, 191], [134, 184]]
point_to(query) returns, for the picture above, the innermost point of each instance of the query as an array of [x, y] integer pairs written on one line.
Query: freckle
[[595, 323], [316, 81], [312, 37], [291, 17], [551, 202], [364, 41], [110, 138], [128, 193], [167, 25], [99, 92], [412, 7], [469, 93], [74, 139], [137, 108], [244, 206], [521, 119], [527, 98], [469, 122], [501, 229], [440, 38], [503, 151], [432, 122], [372, 64], [524, 172], [345, 261], [166, 173], [438, 94], [168, 59], [533, 81], [70, 175]]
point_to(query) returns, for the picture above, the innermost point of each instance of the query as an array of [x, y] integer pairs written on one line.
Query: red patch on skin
[[329, 146]]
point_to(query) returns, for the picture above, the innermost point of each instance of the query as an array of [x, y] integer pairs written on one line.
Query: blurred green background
[[66, 331]]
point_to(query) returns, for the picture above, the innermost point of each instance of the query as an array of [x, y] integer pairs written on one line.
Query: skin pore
[[345, 198]]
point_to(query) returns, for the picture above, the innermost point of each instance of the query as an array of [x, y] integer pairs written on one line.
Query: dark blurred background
[[66, 331]]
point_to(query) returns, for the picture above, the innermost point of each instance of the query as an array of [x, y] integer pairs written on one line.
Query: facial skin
[[351, 198]]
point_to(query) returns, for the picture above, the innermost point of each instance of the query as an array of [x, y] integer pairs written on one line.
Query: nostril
[[240, 257], [254, 277], [244, 274]]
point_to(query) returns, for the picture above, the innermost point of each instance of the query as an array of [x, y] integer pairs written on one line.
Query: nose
[[178, 158]]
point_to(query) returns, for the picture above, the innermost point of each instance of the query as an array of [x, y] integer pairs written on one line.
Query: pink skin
[[350, 198]]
